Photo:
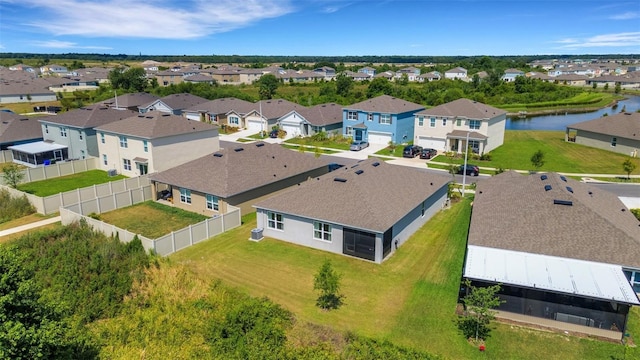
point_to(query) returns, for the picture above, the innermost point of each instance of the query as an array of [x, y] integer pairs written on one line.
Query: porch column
[[566, 135]]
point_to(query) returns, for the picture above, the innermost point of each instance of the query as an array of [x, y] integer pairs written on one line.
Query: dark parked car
[[411, 151], [472, 170], [428, 153]]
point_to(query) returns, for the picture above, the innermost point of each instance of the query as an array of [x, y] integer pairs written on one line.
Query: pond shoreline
[[560, 111]]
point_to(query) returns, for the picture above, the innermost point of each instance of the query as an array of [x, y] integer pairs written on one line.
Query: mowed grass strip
[[151, 219], [57, 185], [559, 155]]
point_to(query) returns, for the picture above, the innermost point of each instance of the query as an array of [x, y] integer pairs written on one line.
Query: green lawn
[[70, 182], [309, 149], [585, 100], [339, 143], [158, 219], [559, 155], [409, 299]]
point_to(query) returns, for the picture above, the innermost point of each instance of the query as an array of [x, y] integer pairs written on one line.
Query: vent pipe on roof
[[342, 180]]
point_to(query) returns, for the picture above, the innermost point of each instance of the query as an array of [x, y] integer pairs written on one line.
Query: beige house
[[446, 127], [618, 133], [237, 176], [153, 142]]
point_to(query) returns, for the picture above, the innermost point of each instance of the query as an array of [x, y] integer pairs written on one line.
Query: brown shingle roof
[[464, 108], [323, 114], [374, 199], [88, 116], [179, 101], [131, 100], [624, 125], [223, 106], [386, 104], [515, 212], [229, 172], [155, 124], [14, 127]]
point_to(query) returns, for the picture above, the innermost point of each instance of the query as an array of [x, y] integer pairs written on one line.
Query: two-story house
[[380, 120], [154, 141], [265, 114], [448, 126], [511, 74], [456, 73]]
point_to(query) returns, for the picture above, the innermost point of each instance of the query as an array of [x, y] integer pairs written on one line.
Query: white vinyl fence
[[56, 170], [5, 156], [51, 204]]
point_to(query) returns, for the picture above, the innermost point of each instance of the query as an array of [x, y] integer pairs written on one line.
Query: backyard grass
[[410, 299], [57, 185], [151, 219], [559, 155]]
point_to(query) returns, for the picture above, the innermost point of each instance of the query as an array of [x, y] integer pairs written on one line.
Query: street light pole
[[464, 169]]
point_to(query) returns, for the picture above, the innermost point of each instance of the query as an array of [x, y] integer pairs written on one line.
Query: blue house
[[380, 120]]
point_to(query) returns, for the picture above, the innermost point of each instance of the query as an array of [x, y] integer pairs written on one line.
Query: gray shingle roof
[[14, 127], [179, 101], [322, 114], [232, 172], [515, 212], [223, 106], [464, 108], [155, 124], [386, 104], [131, 100], [275, 108], [88, 117], [375, 199], [624, 125]]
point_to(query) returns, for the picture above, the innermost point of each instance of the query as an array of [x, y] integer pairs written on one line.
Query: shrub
[[14, 207], [485, 157], [636, 212]]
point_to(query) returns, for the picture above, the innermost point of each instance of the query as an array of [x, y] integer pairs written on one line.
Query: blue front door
[[358, 134]]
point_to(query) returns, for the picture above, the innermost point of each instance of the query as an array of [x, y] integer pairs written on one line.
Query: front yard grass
[[310, 149], [57, 185], [559, 155], [334, 142], [409, 299], [151, 219]]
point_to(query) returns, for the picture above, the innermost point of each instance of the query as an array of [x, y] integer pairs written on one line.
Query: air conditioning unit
[[112, 172], [256, 234]]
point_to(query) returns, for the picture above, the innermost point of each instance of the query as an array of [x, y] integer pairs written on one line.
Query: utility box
[[112, 172], [256, 234]]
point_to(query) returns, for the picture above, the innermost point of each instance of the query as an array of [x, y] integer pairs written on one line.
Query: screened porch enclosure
[[39, 153]]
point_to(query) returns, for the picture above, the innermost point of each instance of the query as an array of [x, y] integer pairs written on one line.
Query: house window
[[126, 164], [123, 142], [274, 221], [185, 196], [104, 159], [458, 122], [63, 132], [432, 122], [80, 135], [212, 203], [145, 145], [420, 121], [474, 124], [349, 131], [46, 128], [385, 119], [102, 138], [234, 120], [444, 121], [369, 117], [614, 141], [321, 231], [82, 154], [352, 115]]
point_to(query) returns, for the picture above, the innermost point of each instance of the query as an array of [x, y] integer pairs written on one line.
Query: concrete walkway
[[30, 226]]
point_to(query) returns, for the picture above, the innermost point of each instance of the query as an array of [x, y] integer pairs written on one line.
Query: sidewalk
[[30, 226]]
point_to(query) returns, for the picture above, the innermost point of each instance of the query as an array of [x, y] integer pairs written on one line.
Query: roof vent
[[238, 149], [563, 178], [342, 180], [358, 172], [259, 144], [217, 154], [569, 189], [543, 177], [352, 166], [547, 187], [375, 164], [562, 202]]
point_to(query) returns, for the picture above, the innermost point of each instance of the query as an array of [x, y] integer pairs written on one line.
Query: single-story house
[[172, 104], [560, 249], [309, 121], [265, 114], [353, 211], [237, 176], [224, 111], [618, 133]]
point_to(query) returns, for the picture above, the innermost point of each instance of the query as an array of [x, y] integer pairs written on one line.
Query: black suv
[[411, 151], [428, 153], [472, 170]]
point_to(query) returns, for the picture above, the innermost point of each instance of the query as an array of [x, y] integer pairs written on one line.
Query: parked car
[[411, 151], [428, 153], [359, 145], [472, 170], [275, 133]]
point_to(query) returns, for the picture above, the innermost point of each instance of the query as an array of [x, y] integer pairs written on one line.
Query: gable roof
[[357, 198], [515, 212], [275, 108], [155, 124], [456, 70], [232, 171], [464, 108], [131, 100], [223, 106], [14, 127], [625, 125], [322, 114], [178, 101], [88, 117], [386, 104]]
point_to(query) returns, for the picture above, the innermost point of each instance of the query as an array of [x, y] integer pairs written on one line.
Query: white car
[[359, 145]]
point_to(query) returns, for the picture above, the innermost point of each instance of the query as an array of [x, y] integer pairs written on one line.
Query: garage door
[[379, 138], [433, 143], [292, 130], [254, 125]]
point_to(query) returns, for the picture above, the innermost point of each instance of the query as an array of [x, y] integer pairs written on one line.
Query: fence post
[[73, 167], [115, 200], [207, 227], [131, 196], [58, 168], [98, 205], [173, 242], [95, 191], [222, 220], [110, 187], [190, 235]]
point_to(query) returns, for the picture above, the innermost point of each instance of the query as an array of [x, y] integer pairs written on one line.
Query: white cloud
[[567, 41], [157, 19], [56, 44], [606, 40], [626, 16]]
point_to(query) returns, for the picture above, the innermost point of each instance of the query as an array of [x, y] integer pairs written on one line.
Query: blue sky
[[320, 27]]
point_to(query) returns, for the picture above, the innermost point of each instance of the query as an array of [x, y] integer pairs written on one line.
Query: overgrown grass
[[13, 207], [57, 185], [151, 219], [559, 155], [582, 101]]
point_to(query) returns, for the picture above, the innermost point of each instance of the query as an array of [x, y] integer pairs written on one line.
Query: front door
[[358, 135], [144, 168]]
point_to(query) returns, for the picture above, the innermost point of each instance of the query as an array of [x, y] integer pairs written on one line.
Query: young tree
[[12, 175], [268, 85], [628, 166], [537, 160], [344, 84], [479, 303], [327, 282]]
